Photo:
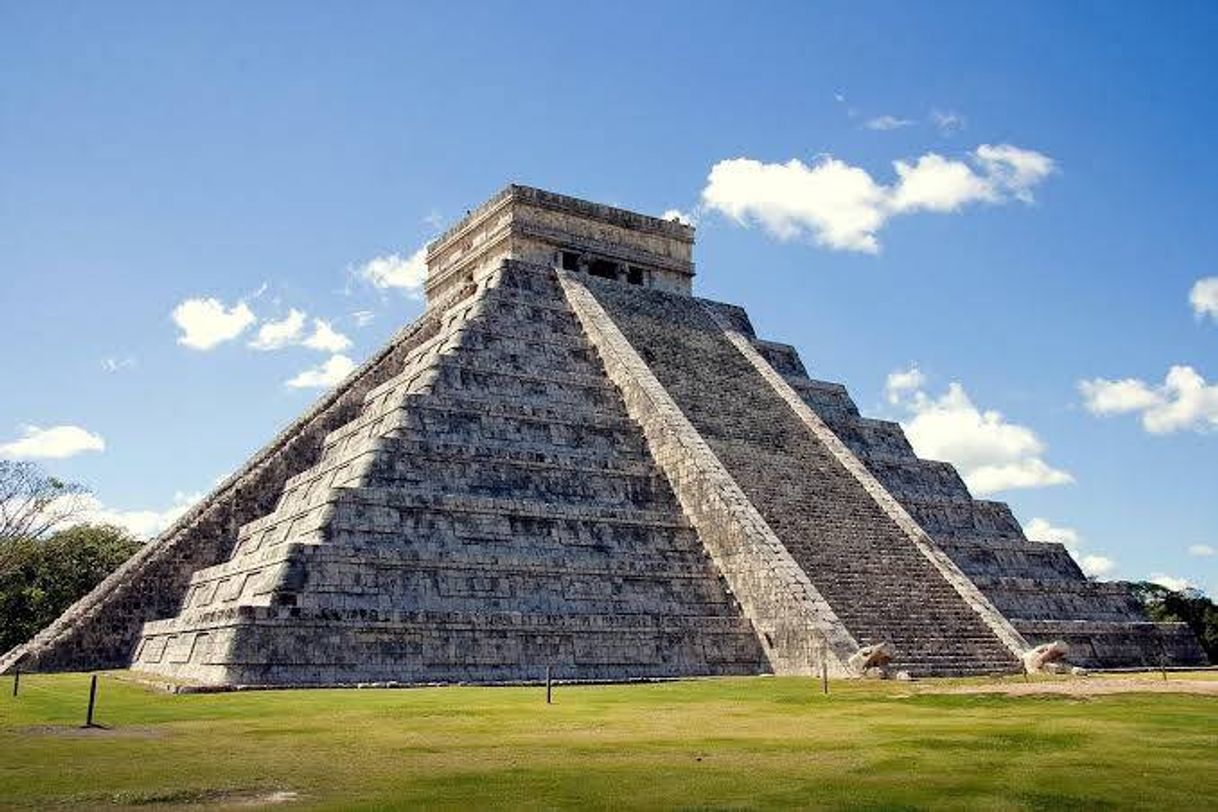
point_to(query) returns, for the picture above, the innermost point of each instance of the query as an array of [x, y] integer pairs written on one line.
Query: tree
[[46, 576], [1190, 606], [33, 503]]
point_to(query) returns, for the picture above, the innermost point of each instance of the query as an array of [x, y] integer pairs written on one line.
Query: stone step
[[864, 436], [382, 506], [830, 401], [461, 415], [359, 457], [863, 563], [950, 518], [546, 480], [927, 480], [668, 559], [1018, 557], [782, 357]]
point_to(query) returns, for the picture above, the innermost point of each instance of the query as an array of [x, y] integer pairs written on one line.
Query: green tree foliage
[[41, 577], [1190, 606]]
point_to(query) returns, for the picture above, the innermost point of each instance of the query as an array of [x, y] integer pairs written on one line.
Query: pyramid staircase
[[1037, 585], [882, 588], [490, 512]]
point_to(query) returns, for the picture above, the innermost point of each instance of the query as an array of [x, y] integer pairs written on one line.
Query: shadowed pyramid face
[[570, 463]]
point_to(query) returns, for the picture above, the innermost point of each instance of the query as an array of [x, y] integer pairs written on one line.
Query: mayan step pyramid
[[571, 464]]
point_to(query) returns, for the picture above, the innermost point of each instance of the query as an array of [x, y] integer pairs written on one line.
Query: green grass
[[728, 743]]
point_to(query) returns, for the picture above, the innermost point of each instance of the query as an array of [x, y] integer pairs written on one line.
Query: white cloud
[[1042, 530], [1183, 401], [394, 271], [992, 453], [206, 323], [685, 218], [884, 123], [1104, 397], [1092, 565], [1096, 566], [290, 332], [938, 184], [327, 374], [1030, 472], [363, 317], [1013, 169], [142, 524], [113, 364], [1201, 550], [326, 338], [1170, 581], [901, 382], [56, 442], [1204, 297], [842, 207], [275, 335], [947, 121]]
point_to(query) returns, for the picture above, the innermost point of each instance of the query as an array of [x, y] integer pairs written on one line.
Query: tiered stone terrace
[[490, 513], [569, 462]]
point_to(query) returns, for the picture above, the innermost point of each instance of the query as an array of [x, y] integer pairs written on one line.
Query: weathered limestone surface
[[797, 626], [568, 461], [491, 511], [873, 575]]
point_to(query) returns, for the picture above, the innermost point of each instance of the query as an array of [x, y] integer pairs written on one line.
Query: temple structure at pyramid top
[[570, 465], [544, 228]]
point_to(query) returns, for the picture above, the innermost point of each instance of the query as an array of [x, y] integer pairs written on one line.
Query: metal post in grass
[[16, 680], [92, 701], [549, 689], [824, 664]]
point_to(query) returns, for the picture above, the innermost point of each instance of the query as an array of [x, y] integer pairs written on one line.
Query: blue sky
[[153, 155]]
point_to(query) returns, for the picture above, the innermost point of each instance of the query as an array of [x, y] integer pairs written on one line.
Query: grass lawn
[[725, 743]]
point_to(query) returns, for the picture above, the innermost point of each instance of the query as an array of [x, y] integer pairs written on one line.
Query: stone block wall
[[490, 511], [877, 580]]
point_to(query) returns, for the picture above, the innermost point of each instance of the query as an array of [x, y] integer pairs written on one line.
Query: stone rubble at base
[[570, 463]]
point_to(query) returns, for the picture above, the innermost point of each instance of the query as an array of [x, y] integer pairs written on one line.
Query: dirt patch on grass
[[96, 732], [1086, 686], [214, 798]]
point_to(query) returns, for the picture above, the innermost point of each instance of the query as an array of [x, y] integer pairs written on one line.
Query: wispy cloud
[[947, 122], [885, 123], [115, 364]]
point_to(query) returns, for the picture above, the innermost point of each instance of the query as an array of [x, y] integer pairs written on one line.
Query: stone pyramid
[[571, 463]]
